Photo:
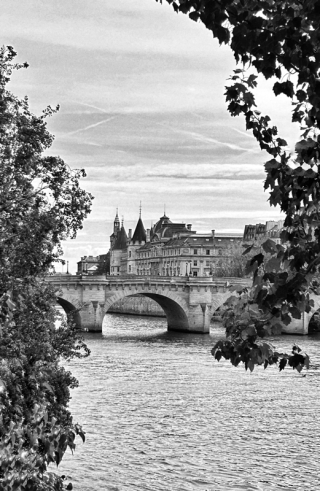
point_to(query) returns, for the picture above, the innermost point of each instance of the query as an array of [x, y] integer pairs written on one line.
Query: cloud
[[143, 111], [209, 140]]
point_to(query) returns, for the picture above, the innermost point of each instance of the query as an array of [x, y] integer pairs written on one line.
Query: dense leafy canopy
[[41, 204], [281, 41]]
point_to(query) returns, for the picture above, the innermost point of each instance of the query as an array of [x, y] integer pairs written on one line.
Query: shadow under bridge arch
[[175, 310], [177, 317], [71, 311]]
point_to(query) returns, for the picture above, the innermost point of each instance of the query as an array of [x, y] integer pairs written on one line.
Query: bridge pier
[[199, 317], [92, 316]]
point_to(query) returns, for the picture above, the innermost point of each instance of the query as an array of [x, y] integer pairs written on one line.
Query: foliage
[[41, 204], [278, 40], [233, 263]]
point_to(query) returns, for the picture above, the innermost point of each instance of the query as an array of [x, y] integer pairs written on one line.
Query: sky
[[142, 110]]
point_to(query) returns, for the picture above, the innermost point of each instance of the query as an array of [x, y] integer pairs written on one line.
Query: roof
[[176, 242], [145, 247], [165, 229], [139, 233], [162, 221], [121, 240]]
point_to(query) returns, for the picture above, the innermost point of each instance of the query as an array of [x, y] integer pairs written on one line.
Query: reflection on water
[[161, 414]]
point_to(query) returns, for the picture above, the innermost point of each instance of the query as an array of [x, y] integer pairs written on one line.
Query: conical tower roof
[[121, 240], [139, 233]]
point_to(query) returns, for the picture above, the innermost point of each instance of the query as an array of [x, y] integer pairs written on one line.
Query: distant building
[[167, 249], [89, 265], [271, 229], [171, 249]]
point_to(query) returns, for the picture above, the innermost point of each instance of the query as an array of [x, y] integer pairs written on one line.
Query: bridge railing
[[68, 278]]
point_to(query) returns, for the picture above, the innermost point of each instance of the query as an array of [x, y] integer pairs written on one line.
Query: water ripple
[[161, 414]]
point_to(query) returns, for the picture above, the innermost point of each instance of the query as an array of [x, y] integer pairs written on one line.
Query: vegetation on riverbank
[[278, 40], [41, 204]]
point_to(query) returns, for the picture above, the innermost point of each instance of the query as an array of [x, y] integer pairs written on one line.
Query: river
[[160, 414]]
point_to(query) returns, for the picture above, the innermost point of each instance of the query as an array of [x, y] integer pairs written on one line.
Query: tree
[[232, 263], [41, 204], [279, 40]]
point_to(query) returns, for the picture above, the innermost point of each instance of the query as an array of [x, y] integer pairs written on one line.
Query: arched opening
[[177, 318], [71, 311], [137, 304], [314, 323], [61, 315]]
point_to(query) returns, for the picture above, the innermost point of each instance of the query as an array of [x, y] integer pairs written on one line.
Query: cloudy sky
[[143, 111]]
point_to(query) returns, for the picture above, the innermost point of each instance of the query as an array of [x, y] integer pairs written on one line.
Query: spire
[[139, 233], [140, 210], [116, 223], [122, 220]]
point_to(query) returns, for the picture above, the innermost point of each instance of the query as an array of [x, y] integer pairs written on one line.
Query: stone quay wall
[[137, 305]]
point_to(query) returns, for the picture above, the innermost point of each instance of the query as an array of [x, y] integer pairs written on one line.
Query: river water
[[161, 414]]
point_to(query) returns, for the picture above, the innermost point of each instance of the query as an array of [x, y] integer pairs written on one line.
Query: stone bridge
[[188, 302]]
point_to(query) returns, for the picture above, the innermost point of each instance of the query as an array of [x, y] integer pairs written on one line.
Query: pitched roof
[[176, 242], [139, 233], [121, 240], [145, 247]]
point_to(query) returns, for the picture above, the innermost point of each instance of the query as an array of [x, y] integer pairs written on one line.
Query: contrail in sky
[[91, 126], [90, 105]]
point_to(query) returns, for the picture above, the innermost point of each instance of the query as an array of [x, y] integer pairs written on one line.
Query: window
[[195, 263], [195, 251], [129, 268], [208, 252], [195, 273]]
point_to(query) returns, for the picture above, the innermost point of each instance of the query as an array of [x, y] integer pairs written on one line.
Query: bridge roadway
[[188, 302]]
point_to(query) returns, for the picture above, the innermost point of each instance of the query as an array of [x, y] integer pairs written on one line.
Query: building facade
[[168, 249], [271, 229], [172, 249]]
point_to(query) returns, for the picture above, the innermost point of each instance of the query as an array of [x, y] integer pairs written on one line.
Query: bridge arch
[[71, 310], [174, 307], [218, 299]]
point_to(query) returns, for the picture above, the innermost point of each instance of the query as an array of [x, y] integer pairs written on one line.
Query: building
[[167, 249], [271, 229], [89, 265], [172, 249]]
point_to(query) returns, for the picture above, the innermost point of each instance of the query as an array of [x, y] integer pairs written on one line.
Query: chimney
[[189, 226], [130, 233], [148, 234], [213, 232]]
